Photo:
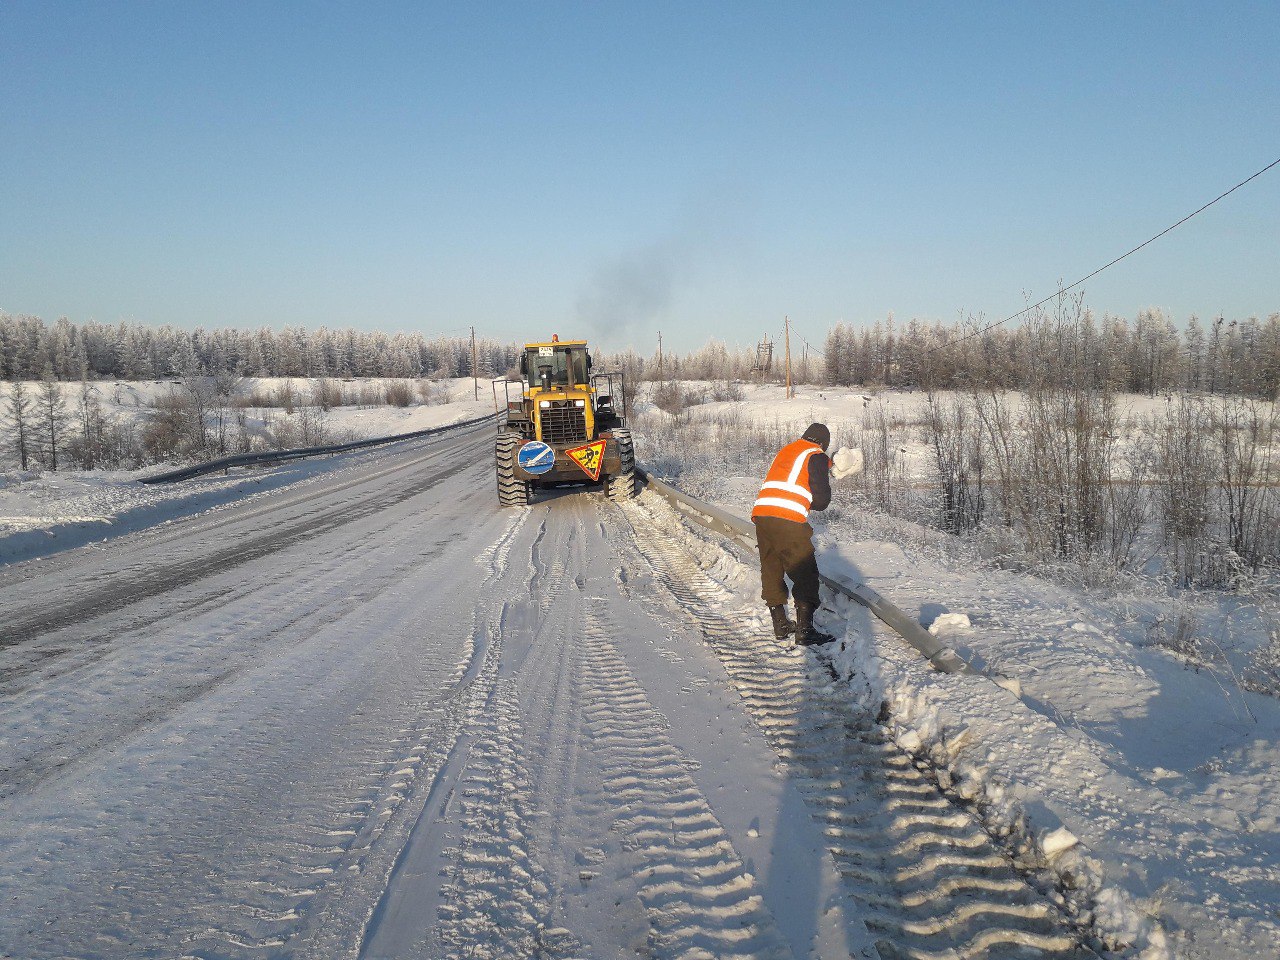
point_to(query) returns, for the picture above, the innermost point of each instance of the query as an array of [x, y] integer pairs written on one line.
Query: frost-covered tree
[[19, 412], [51, 407]]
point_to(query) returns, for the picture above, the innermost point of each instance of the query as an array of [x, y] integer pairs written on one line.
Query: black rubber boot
[[782, 625], [806, 634]]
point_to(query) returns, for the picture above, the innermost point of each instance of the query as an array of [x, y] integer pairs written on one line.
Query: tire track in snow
[[495, 898], [128, 586], [935, 885], [494, 558], [209, 645], [386, 819], [699, 898]]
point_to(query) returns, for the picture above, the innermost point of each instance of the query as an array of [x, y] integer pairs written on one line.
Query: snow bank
[[976, 737], [985, 748]]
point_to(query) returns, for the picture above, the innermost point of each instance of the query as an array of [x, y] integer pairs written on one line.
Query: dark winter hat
[[819, 434]]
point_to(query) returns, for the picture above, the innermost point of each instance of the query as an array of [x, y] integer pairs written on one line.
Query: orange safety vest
[[786, 492]]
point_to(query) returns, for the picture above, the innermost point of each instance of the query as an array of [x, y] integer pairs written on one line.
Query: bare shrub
[[726, 391], [884, 480], [1185, 475], [1262, 673], [368, 395], [399, 393], [1178, 634], [431, 392], [1245, 431], [258, 397], [1064, 502], [673, 397], [167, 433], [955, 440], [286, 396], [1129, 502], [327, 394]]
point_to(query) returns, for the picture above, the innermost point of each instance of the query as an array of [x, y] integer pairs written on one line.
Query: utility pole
[[659, 354], [475, 372], [787, 321]]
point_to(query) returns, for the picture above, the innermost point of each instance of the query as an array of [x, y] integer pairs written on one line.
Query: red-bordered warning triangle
[[589, 456]]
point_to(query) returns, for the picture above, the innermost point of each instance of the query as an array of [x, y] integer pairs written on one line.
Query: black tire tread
[[512, 491], [622, 485]]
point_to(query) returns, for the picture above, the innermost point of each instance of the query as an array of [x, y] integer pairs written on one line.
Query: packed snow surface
[[375, 715]]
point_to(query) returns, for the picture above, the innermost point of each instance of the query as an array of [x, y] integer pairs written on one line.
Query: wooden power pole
[[659, 354], [475, 372], [787, 321]]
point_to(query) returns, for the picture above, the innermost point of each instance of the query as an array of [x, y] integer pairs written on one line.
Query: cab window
[[561, 366]]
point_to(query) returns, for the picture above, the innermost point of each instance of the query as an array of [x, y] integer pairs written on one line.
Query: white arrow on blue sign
[[536, 457]]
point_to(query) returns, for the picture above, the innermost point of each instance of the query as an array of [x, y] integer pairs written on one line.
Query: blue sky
[[612, 170]]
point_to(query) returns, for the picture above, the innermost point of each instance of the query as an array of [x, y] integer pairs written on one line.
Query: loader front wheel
[[512, 491], [622, 485]]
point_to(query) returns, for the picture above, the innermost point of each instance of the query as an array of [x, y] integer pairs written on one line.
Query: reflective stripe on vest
[[785, 492]]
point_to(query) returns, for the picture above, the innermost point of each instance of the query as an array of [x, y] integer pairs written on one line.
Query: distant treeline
[[1148, 356], [30, 349]]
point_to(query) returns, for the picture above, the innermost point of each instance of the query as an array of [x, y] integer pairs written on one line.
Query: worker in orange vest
[[799, 480]]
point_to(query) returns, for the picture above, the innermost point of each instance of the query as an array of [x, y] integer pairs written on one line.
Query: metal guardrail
[[743, 531], [300, 453]]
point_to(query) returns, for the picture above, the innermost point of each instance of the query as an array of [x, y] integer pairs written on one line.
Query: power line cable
[[811, 346], [1222, 196]]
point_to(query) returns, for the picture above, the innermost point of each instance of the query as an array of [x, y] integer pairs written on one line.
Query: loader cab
[[556, 366]]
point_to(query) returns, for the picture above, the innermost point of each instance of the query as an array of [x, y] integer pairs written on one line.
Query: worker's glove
[[846, 463]]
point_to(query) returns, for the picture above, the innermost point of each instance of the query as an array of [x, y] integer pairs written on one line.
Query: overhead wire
[[1105, 266], [811, 346]]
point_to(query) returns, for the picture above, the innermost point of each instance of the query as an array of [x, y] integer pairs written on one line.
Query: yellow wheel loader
[[566, 426]]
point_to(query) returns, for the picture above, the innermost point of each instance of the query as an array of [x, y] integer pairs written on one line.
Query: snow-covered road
[[377, 716]]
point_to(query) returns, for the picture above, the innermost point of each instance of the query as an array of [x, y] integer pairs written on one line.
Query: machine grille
[[564, 425]]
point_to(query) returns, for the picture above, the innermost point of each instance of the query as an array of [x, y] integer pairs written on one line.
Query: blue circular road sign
[[536, 457]]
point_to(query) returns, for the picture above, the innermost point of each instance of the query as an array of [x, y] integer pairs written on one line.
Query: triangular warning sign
[[589, 456]]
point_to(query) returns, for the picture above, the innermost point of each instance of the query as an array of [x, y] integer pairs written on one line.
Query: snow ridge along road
[[933, 883], [379, 717]]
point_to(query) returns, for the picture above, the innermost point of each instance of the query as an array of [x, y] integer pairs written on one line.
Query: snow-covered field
[[43, 512], [1164, 767]]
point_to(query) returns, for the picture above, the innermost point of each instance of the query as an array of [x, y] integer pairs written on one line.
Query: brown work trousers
[[786, 547]]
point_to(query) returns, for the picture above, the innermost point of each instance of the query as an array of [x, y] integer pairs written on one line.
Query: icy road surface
[[379, 717]]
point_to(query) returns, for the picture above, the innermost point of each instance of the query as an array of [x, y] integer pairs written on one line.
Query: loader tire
[[622, 485], [512, 491]]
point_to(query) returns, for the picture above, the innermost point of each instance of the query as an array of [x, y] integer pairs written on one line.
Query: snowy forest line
[[1149, 355], [30, 349]]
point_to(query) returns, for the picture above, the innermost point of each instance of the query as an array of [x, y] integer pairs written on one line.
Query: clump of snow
[[949, 623], [1057, 841], [846, 463], [1115, 913]]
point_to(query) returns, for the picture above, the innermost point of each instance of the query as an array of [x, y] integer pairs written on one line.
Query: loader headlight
[[544, 404], [579, 403]]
